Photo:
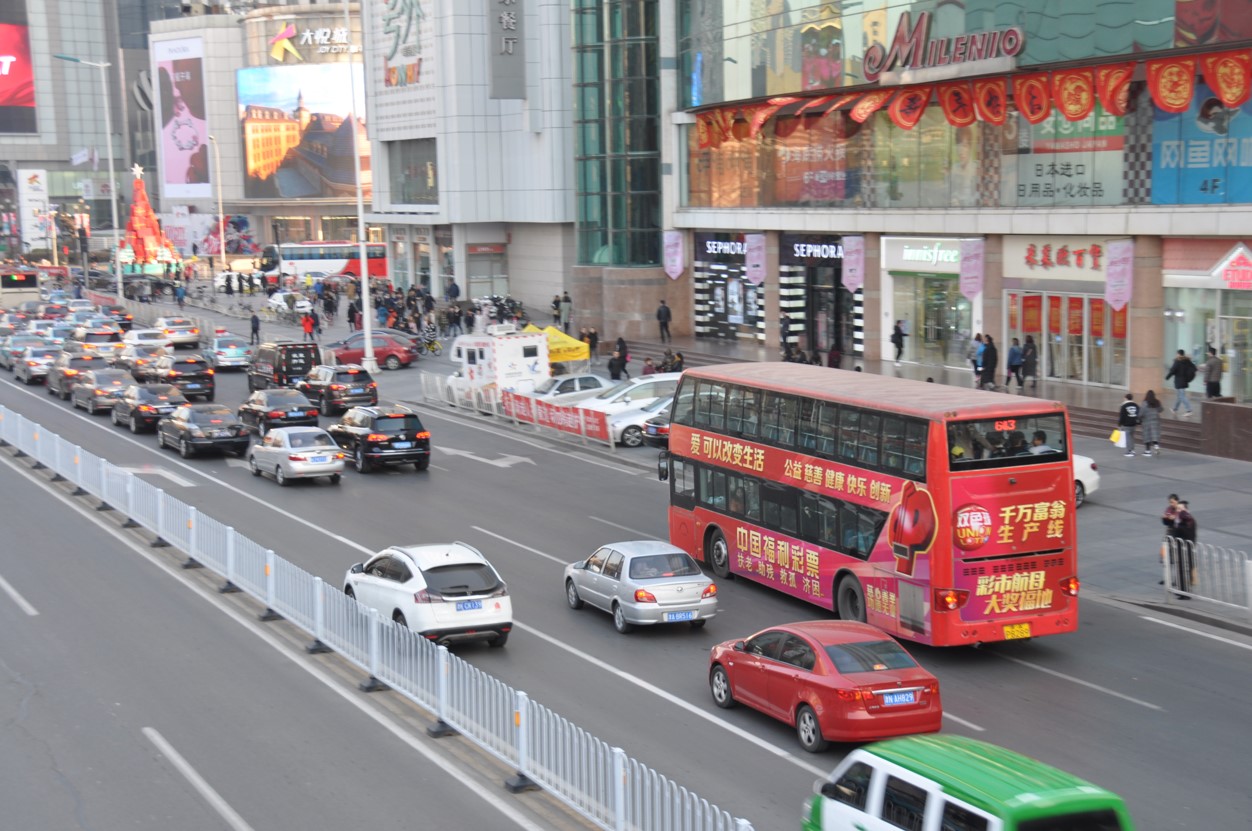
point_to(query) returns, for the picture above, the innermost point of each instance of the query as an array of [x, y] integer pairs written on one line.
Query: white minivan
[[633, 394]]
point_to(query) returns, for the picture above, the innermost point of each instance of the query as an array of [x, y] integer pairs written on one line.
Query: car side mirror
[[830, 790], [662, 466], [357, 568], [583, 564], [738, 646]]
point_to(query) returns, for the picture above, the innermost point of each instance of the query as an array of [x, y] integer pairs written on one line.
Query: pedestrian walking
[[256, 330], [306, 323], [1150, 417], [352, 317], [1183, 371], [1212, 375], [567, 311], [1127, 421], [1030, 361], [593, 343], [1014, 363], [317, 325], [784, 331], [663, 318], [617, 365], [973, 354], [987, 362], [897, 339], [620, 348], [556, 309]]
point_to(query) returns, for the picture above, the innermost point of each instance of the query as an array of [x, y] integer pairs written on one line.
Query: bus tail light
[[644, 596], [1070, 586], [710, 590], [949, 600]]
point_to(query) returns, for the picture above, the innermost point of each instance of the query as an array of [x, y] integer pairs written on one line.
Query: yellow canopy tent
[[565, 349]]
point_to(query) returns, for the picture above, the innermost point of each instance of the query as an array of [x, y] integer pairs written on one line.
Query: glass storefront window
[[937, 318], [1079, 337], [413, 171]]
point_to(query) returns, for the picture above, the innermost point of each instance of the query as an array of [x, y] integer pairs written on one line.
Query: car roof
[[834, 632], [638, 548], [440, 554]]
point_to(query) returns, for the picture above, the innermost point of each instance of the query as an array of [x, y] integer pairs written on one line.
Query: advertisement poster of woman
[[184, 132]]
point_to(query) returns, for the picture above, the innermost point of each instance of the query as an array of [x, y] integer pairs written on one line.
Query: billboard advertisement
[[1204, 155], [400, 41], [184, 143], [32, 208], [17, 80], [297, 127], [197, 234]]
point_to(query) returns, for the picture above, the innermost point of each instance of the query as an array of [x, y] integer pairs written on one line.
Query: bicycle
[[433, 346]]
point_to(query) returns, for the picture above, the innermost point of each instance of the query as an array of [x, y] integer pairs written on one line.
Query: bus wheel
[[717, 554], [850, 600]]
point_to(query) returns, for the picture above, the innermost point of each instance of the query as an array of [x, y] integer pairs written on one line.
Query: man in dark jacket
[[990, 357], [663, 318], [1212, 375], [1183, 373], [1128, 419]]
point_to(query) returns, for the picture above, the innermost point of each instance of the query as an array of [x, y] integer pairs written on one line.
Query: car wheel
[[91, 407], [571, 595], [422, 464], [184, 449], [632, 436], [392, 362], [362, 464], [436, 347], [1080, 494], [335, 478], [808, 730], [719, 685], [253, 466], [209, 397], [850, 600], [279, 476], [325, 407], [113, 417], [134, 425], [349, 592], [717, 554], [699, 622], [500, 640], [398, 618], [620, 623], [65, 395]]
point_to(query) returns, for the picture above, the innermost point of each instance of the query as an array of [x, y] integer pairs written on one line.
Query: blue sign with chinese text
[[1202, 156]]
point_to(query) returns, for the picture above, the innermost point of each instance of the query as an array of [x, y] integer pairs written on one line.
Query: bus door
[[684, 529]]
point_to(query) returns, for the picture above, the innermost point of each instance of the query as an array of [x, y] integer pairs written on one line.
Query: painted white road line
[[221, 806], [503, 461], [523, 547], [21, 602], [639, 534], [1171, 625], [153, 470], [966, 724], [1089, 685]]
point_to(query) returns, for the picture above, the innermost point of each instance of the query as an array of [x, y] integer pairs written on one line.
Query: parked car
[[282, 363], [265, 410], [382, 436], [278, 302], [1086, 479], [642, 583], [31, 367], [195, 428], [13, 346], [190, 373], [63, 373], [445, 593], [143, 405], [637, 392], [181, 330], [290, 453], [99, 389], [389, 351], [569, 389], [627, 427], [157, 337], [336, 388], [832, 680], [140, 361], [227, 350]]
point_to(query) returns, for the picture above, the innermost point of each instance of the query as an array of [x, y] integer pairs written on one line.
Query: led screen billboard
[[297, 123], [184, 143], [17, 80]]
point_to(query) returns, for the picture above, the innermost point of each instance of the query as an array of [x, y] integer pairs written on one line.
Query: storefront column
[[992, 318], [872, 294], [1147, 321], [773, 298]]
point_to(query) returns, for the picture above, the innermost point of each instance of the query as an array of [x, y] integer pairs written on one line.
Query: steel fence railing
[[1210, 572], [598, 781]]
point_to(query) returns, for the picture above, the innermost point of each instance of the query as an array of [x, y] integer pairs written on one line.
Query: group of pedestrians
[[1021, 361], [1178, 547], [1132, 415], [1183, 371]]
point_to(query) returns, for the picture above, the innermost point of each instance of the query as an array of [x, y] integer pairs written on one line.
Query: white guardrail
[[1209, 572], [596, 780]]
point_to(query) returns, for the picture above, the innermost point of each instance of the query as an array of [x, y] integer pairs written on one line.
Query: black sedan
[[195, 428], [99, 389], [143, 405], [277, 407], [656, 431], [123, 318], [382, 436], [140, 359]]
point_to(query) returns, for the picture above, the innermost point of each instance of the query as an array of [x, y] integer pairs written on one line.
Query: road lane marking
[[152, 470], [551, 557], [967, 724], [21, 602], [1171, 625], [215, 800], [1082, 683], [640, 534]]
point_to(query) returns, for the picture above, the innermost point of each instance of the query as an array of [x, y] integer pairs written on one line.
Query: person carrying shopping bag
[[1127, 420]]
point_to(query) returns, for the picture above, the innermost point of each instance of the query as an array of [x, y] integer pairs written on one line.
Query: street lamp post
[[108, 138], [221, 218], [367, 360]]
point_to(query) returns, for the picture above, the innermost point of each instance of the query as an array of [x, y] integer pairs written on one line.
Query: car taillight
[[1095, 466], [663, 430], [1070, 586], [644, 596], [274, 414], [169, 331], [339, 456], [310, 412], [102, 392], [71, 372], [337, 386], [424, 596], [710, 590], [195, 331], [377, 437], [425, 434], [948, 600], [32, 363], [931, 688], [218, 352], [173, 372], [501, 592], [850, 695], [146, 408], [210, 371], [297, 458], [374, 385]]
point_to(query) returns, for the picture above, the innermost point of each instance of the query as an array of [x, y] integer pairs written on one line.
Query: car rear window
[[84, 362], [114, 378], [281, 395], [101, 337], [310, 438], [676, 564], [231, 344], [188, 364], [163, 392], [177, 321], [354, 377], [217, 415], [398, 424], [461, 579], [870, 656], [44, 353]]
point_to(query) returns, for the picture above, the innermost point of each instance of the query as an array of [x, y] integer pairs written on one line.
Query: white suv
[[445, 592]]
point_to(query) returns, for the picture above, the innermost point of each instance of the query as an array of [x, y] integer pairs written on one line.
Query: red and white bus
[[322, 259], [939, 514]]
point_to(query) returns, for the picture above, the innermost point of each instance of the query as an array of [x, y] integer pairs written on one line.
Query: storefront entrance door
[[1236, 341], [945, 327]]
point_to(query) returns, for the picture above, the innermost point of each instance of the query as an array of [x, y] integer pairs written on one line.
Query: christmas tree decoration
[[146, 247]]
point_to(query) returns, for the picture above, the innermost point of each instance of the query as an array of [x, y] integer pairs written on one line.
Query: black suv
[[190, 373], [382, 436], [336, 388], [282, 364]]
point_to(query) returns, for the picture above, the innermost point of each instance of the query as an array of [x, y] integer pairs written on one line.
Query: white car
[[148, 337], [278, 302], [80, 304], [1086, 479], [632, 394], [627, 428], [181, 330], [446, 592], [569, 389]]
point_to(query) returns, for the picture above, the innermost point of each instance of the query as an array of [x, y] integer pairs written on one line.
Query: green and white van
[[951, 783]]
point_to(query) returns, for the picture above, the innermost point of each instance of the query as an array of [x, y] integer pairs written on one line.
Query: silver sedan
[[642, 583], [290, 453]]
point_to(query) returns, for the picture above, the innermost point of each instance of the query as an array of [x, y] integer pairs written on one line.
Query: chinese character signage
[[1236, 269], [506, 49], [1056, 257], [1202, 155], [180, 103], [17, 79], [1121, 273], [1062, 162], [401, 68]]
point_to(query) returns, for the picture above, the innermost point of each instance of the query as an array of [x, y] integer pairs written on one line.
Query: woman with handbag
[[1150, 416]]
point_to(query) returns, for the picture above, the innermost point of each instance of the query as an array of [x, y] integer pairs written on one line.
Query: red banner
[[991, 99], [814, 113], [1172, 83], [1075, 317], [871, 104], [1054, 316], [1119, 323], [1013, 312], [766, 111], [573, 420], [1030, 94], [958, 103], [1112, 83], [907, 107], [1032, 314], [1073, 91], [1096, 305], [1229, 75]]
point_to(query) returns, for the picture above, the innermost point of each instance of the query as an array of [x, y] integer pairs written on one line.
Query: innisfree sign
[[913, 48]]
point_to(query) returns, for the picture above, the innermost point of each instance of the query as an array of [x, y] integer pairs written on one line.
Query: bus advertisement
[[941, 515], [321, 259]]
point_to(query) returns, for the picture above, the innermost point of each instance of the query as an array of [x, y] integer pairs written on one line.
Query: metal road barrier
[[597, 781], [1210, 572]]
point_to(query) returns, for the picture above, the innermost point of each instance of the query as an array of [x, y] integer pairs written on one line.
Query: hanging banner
[[1030, 94], [675, 254], [1112, 83], [907, 108], [1014, 313], [1172, 83], [972, 262], [754, 258], [958, 103], [813, 114], [991, 99], [1096, 326], [1032, 314], [1119, 324], [1054, 317], [871, 104], [1073, 91], [1119, 273], [853, 263], [767, 111], [1073, 317], [1229, 75]]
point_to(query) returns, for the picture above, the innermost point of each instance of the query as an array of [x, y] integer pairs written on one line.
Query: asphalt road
[[1153, 708]]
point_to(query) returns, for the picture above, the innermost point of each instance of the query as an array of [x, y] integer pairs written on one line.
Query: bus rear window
[[1007, 441]]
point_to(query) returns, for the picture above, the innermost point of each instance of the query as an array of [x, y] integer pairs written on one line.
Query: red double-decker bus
[[939, 514]]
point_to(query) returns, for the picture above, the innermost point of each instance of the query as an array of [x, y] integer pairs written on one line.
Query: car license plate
[[676, 616], [1014, 631], [319, 459], [893, 699], [651, 431], [357, 390], [468, 605], [296, 413], [402, 445], [193, 386]]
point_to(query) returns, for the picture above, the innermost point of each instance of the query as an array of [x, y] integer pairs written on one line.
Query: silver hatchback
[[642, 583]]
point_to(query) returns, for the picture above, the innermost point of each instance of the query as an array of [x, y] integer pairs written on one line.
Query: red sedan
[[391, 352], [832, 680]]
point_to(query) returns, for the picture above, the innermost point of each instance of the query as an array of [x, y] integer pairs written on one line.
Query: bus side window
[[683, 481], [849, 432], [713, 488], [751, 500], [893, 443], [821, 520], [710, 406], [683, 402], [828, 420], [740, 412], [915, 448], [780, 509], [778, 419], [809, 410], [867, 452]]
